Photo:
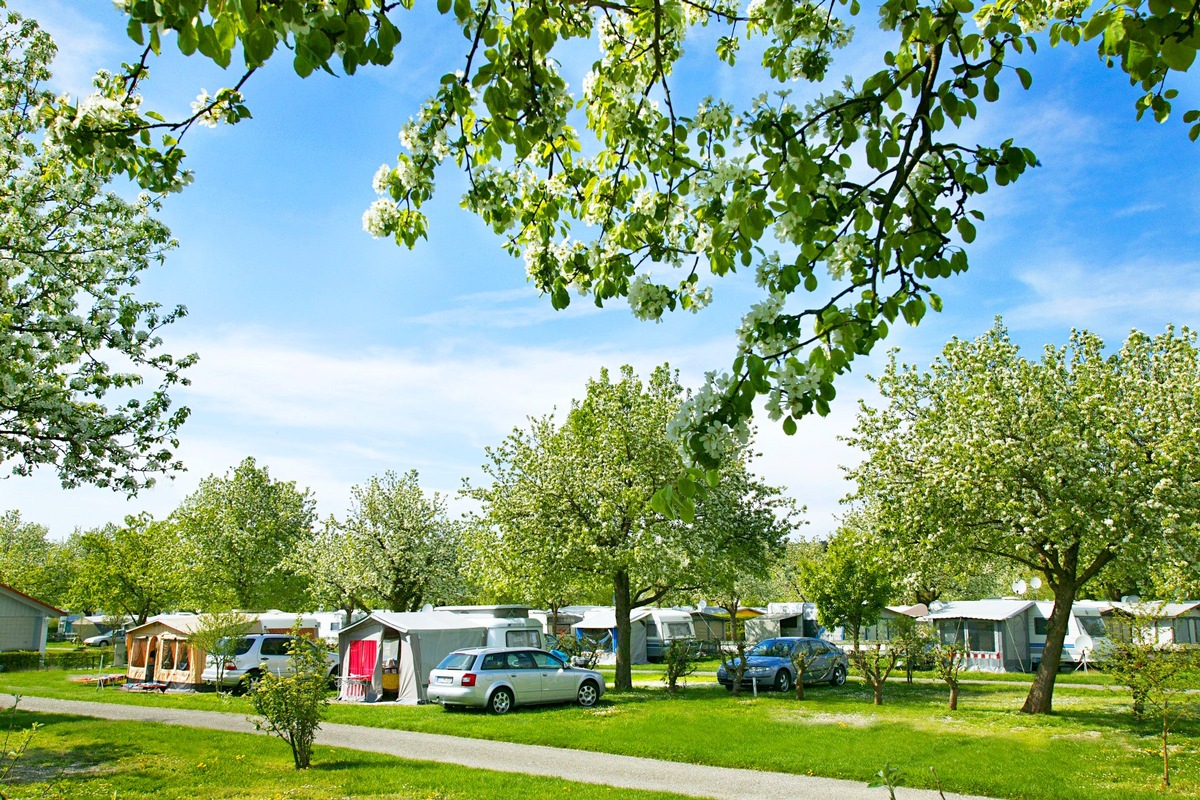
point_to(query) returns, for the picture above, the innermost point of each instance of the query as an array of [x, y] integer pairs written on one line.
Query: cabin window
[[168, 655], [184, 656], [525, 638]]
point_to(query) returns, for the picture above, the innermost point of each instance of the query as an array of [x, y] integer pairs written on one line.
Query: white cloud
[[509, 308], [1109, 300]]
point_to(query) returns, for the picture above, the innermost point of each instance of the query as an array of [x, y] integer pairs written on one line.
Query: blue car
[[769, 664]]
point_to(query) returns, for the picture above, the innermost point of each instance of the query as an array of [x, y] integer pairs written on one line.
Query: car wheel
[[783, 680], [248, 684], [501, 701], [588, 694], [839, 676]]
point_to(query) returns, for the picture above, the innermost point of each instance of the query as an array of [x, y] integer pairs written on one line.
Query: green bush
[[292, 706], [79, 658], [20, 660]]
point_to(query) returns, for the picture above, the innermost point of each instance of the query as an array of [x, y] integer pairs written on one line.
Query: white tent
[[601, 623], [394, 651]]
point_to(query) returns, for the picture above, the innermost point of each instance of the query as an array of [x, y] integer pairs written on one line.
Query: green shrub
[[680, 660], [79, 658], [292, 706], [20, 660]]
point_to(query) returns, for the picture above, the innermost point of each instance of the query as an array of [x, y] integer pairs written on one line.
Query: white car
[[253, 655], [499, 678], [103, 639]]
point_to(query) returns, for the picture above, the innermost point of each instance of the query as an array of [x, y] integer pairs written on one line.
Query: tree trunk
[[1166, 754], [878, 686], [623, 679], [1041, 694], [954, 697]]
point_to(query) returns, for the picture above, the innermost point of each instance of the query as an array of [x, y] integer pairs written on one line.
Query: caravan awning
[[994, 610], [606, 618]]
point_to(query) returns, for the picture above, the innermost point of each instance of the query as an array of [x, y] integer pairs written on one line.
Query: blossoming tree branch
[[848, 207]]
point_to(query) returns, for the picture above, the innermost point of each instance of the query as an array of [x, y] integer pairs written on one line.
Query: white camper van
[[663, 626], [1085, 631]]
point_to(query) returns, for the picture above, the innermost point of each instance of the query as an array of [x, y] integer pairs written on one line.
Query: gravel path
[[630, 772]]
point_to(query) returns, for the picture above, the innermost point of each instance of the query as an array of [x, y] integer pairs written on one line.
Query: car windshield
[[772, 648], [457, 661]]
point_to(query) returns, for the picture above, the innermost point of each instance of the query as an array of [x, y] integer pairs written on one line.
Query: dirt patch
[[822, 718], [45, 766], [1078, 735]]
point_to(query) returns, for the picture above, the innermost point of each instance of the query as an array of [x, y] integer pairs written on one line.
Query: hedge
[[24, 660]]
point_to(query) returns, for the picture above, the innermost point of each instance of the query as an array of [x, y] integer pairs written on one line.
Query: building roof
[[21, 597], [994, 610]]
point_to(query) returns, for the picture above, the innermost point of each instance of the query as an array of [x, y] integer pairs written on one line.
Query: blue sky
[[331, 357]]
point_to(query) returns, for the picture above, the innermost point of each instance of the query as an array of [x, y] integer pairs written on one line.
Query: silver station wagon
[[498, 678]]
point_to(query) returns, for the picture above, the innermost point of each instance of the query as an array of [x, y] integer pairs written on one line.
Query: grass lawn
[[1090, 748], [78, 758]]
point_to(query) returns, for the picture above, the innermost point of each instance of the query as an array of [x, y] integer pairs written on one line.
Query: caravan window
[[137, 658], [1093, 626], [1039, 626], [522, 638], [974, 634], [678, 630]]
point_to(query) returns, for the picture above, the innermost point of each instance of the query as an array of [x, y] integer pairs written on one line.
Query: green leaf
[[789, 426], [966, 230], [1025, 77], [991, 90], [1177, 56]]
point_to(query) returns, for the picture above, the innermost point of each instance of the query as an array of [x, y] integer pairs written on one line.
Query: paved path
[[630, 772]]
